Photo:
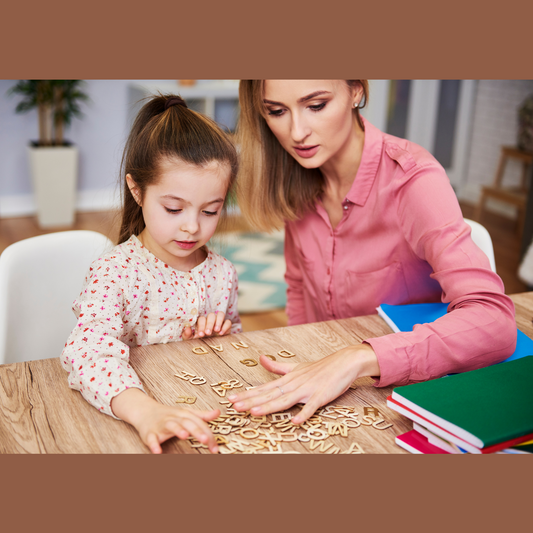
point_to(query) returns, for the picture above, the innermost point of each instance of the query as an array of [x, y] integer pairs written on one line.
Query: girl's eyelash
[[174, 211], [275, 112]]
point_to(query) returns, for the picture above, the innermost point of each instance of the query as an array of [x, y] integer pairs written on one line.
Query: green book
[[484, 407]]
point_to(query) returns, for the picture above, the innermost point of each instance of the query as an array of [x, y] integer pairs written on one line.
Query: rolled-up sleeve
[[479, 328]]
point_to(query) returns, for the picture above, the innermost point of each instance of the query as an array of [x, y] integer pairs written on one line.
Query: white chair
[[481, 237], [40, 278]]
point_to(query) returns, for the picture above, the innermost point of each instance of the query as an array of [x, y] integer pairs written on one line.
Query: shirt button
[[346, 208], [194, 311]]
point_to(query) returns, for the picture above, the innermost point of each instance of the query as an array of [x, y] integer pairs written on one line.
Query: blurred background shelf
[[218, 99]]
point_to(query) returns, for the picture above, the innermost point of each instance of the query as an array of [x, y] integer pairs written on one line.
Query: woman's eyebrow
[[300, 100]]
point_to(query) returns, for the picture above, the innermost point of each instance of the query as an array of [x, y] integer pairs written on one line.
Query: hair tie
[[175, 100]]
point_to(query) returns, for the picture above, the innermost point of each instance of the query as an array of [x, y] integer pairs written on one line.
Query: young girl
[[160, 284]]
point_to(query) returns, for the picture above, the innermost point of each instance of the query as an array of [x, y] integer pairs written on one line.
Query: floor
[[107, 222], [502, 230]]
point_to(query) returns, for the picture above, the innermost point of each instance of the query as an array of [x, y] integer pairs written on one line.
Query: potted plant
[[53, 160]]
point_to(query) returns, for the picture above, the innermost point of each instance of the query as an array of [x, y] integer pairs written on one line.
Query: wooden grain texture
[[524, 312], [39, 413]]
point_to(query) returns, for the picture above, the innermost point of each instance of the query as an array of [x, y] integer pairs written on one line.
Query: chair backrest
[[40, 278], [481, 237]]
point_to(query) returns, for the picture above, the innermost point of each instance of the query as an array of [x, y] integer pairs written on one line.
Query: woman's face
[[312, 119]]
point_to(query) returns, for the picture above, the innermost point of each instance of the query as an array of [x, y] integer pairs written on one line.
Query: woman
[[369, 219]]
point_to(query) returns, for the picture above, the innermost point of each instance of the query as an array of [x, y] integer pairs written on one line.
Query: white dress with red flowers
[[130, 298]]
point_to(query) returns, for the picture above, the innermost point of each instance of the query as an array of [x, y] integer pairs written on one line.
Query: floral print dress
[[130, 298]]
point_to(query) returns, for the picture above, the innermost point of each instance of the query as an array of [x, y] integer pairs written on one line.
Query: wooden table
[[39, 413]]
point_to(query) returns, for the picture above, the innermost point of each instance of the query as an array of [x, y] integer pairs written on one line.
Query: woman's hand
[[314, 384], [157, 423], [205, 326]]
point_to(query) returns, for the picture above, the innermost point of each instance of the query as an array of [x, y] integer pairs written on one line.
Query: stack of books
[[489, 410]]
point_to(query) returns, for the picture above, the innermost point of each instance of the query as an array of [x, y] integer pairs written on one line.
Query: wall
[[100, 136], [495, 123], [101, 133]]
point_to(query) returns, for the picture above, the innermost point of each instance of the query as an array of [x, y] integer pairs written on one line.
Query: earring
[[356, 104]]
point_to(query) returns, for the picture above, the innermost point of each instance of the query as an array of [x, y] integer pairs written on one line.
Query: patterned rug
[[258, 258]]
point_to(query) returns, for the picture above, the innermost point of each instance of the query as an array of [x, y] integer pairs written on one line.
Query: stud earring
[[356, 104]]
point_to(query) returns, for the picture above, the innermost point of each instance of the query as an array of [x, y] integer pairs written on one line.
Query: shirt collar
[[370, 159]]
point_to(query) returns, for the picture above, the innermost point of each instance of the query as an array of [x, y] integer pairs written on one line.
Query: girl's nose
[[190, 225]]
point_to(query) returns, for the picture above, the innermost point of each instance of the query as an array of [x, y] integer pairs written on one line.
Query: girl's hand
[[314, 384], [157, 423], [213, 324]]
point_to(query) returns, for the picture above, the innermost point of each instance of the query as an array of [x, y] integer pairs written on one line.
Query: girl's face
[[312, 119], [181, 211]]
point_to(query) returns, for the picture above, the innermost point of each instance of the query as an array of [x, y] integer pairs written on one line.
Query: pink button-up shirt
[[402, 239]]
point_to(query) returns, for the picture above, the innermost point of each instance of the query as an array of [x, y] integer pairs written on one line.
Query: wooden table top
[[39, 413]]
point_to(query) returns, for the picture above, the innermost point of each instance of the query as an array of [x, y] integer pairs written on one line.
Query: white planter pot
[[54, 172]]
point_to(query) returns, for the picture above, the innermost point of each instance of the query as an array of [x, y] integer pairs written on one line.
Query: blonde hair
[[272, 186], [168, 131]]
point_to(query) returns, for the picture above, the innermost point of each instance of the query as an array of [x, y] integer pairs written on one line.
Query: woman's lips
[[306, 151], [186, 245]]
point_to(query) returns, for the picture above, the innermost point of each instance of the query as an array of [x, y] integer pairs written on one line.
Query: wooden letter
[[197, 380], [270, 356], [371, 411], [200, 350], [327, 412], [249, 433], [335, 449], [287, 437], [349, 421], [185, 375], [354, 449], [375, 424], [279, 417], [321, 445], [249, 362], [238, 345], [286, 353], [218, 348], [317, 434], [186, 399], [337, 428], [223, 430], [220, 439]]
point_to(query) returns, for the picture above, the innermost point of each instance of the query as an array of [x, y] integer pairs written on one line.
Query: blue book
[[405, 317]]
